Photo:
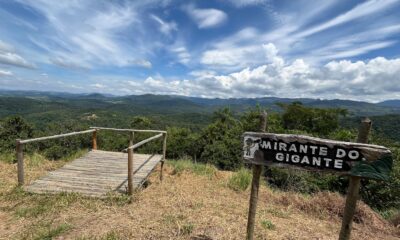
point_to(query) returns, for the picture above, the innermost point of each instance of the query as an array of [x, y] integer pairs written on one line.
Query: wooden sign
[[316, 154]]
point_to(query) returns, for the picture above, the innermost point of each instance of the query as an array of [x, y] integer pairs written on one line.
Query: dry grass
[[185, 206]]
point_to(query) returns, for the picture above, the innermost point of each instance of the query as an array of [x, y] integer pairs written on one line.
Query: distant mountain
[[390, 103], [23, 102]]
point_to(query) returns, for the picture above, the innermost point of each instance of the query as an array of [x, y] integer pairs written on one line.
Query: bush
[[240, 180]]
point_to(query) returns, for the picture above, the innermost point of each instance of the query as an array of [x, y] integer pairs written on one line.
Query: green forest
[[211, 135]]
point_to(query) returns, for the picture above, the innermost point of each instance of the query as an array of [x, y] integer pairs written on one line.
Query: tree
[[13, 128], [313, 120], [141, 122]]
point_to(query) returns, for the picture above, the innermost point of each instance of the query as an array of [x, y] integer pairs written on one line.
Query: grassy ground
[[193, 202]]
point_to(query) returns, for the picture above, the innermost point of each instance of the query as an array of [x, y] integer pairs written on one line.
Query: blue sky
[[233, 48]]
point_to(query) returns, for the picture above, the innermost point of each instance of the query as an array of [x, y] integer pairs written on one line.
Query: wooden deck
[[96, 173]]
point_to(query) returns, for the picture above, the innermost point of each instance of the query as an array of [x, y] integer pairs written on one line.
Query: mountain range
[[12, 102]]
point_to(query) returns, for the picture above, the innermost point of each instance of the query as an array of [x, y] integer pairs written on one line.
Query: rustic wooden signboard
[[316, 154], [357, 160]]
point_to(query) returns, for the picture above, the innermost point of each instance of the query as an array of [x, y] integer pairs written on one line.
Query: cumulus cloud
[[375, 79], [206, 17], [239, 51]]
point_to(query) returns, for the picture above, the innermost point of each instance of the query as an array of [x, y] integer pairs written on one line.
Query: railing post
[[20, 162], [130, 164], [94, 140], [164, 155], [354, 186]]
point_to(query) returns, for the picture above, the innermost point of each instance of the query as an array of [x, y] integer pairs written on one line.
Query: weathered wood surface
[[129, 130], [136, 145], [56, 136], [96, 174], [296, 151]]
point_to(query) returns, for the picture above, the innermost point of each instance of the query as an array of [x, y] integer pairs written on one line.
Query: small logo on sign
[[250, 146]]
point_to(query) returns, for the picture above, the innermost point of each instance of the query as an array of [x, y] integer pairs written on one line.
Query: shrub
[[240, 180], [267, 224]]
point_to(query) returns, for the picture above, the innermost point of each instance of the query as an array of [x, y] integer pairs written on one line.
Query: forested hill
[[27, 102]]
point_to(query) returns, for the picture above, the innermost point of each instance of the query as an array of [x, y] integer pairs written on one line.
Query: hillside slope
[[187, 205]]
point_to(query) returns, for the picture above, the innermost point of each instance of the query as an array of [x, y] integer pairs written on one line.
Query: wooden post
[[164, 155], [255, 185], [20, 162], [130, 165], [354, 186], [94, 140]]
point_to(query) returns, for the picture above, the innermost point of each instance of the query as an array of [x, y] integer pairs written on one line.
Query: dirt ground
[[183, 206]]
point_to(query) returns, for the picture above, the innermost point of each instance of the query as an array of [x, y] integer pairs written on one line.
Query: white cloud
[[206, 17], [5, 73], [245, 3], [182, 54], [90, 34], [364, 9], [69, 64], [142, 63], [239, 51], [372, 80], [165, 27], [98, 85], [14, 60], [8, 56]]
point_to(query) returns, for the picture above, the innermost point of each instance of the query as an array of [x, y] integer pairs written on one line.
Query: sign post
[[255, 184], [357, 160], [354, 186]]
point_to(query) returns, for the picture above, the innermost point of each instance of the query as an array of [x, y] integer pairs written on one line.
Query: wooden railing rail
[[128, 130], [20, 149], [55, 136], [136, 145]]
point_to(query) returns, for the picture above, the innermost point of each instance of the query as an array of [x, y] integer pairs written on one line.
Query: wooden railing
[[20, 149], [132, 146], [20, 146]]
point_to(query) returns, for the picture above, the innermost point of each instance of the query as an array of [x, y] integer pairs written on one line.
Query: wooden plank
[[96, 173]]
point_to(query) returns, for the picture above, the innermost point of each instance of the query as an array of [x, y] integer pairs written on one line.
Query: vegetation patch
[[267, 224], [179, 166], [35, 205], [240, 180], [44, 230]]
